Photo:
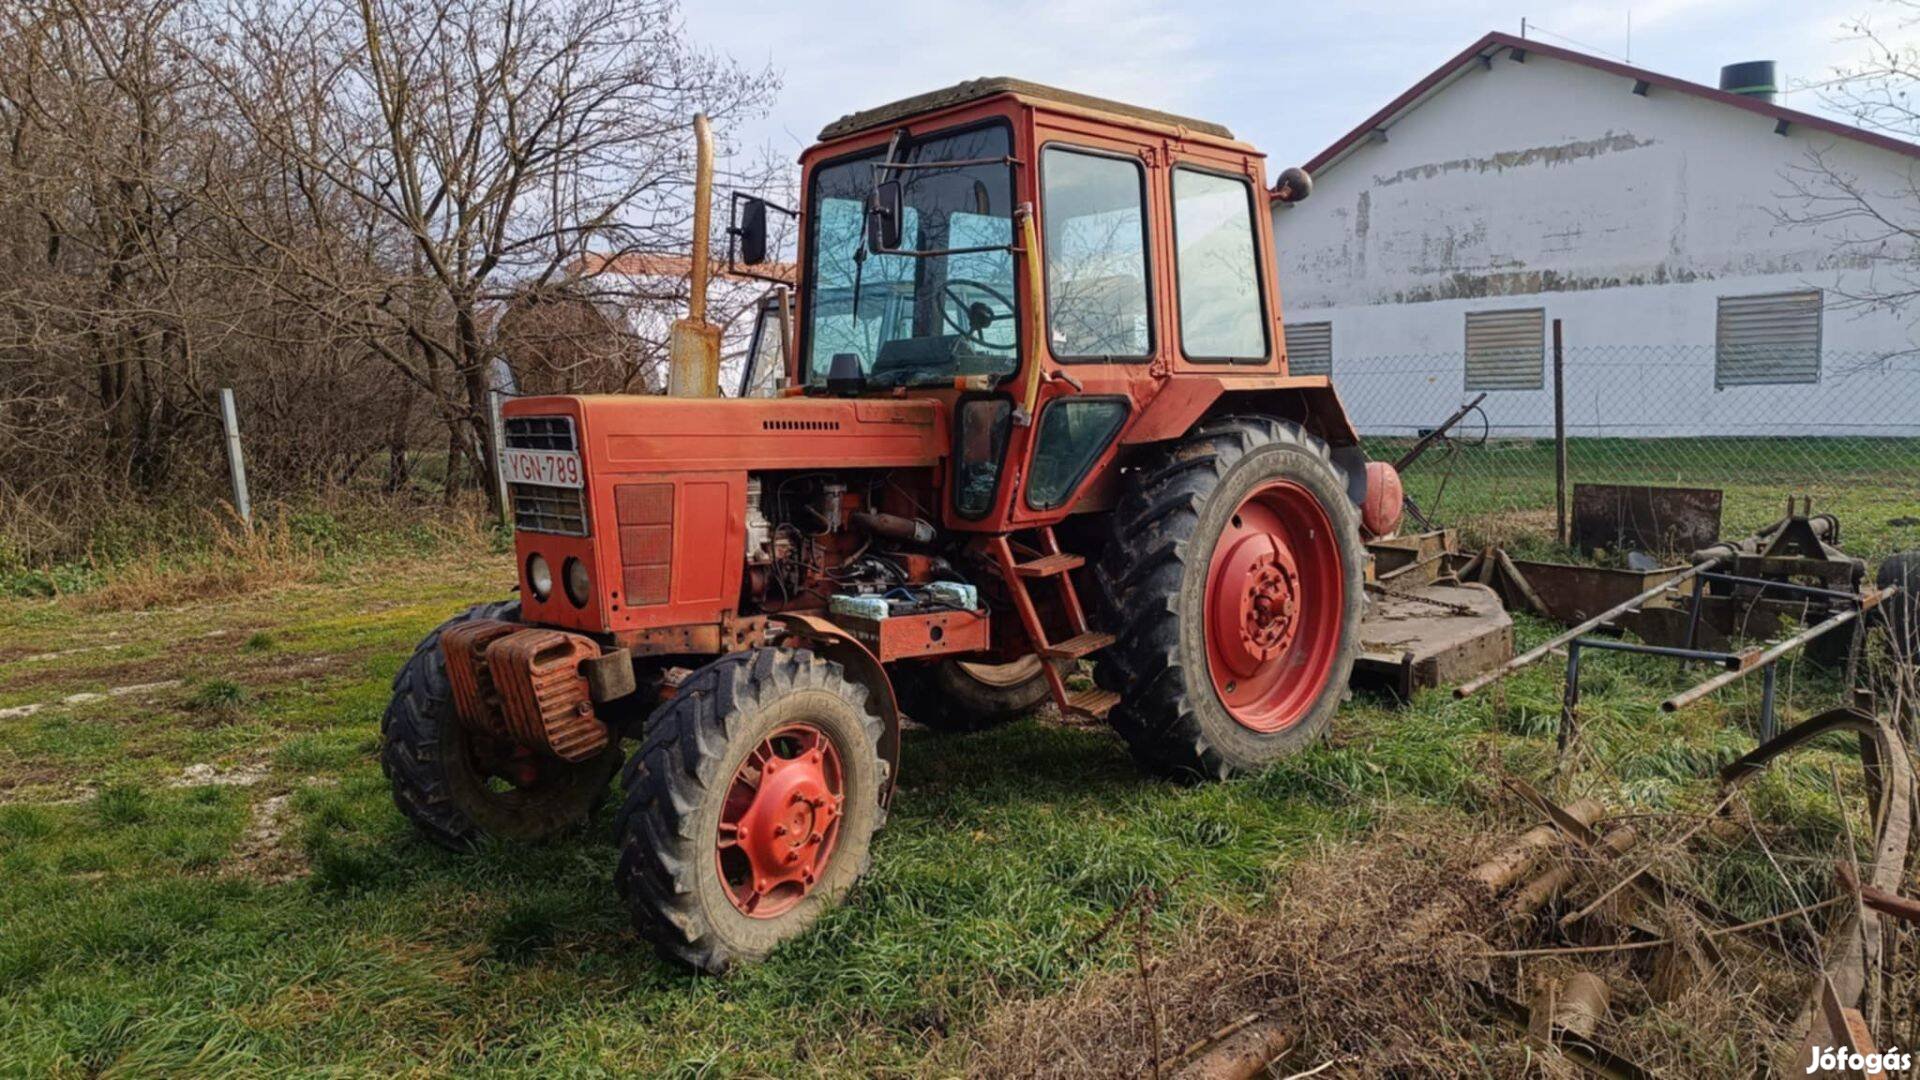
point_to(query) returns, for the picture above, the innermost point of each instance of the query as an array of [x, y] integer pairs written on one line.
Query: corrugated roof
[[992, 86], [1495, 42]]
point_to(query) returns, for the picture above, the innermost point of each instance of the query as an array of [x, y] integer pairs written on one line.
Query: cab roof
[[994, 86]]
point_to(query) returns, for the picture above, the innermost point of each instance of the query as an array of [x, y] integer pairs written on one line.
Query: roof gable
[[1494, 43]]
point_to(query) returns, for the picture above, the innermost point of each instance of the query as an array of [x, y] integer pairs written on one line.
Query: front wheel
[[750, 807], [1236, 566]]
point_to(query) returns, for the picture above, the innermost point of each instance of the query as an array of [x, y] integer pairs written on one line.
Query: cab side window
[[1217, 267], [1096, 247]]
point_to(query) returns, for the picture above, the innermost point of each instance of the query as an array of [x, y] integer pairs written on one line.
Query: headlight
[[539, 577], [578, 585]]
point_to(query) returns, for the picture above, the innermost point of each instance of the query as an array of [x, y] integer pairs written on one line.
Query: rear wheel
[[1235, 568], [457, 785], [750, 807], [1901, 613], [959, 696]]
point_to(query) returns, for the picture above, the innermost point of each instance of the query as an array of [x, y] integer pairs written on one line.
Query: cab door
[[1099, 319]]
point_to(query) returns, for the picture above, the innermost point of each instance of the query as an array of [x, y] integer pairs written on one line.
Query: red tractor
[[1035, 410]]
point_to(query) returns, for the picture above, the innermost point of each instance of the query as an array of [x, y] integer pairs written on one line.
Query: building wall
[[1549, 184]]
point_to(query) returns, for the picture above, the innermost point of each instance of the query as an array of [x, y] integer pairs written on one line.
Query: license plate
[[551, 468]]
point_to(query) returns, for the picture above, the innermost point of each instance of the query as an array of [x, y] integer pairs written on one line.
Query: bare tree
[[1874, 218], [485, 145]]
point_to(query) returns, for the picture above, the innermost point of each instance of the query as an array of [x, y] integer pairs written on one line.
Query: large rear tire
[[956, 696], [750, 807], [457, 786], [1236, 571]]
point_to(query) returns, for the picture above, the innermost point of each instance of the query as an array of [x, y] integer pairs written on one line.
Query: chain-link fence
[[1678, 415]]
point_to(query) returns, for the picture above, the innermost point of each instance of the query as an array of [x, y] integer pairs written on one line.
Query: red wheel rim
[[780, 821], [1274, 600]]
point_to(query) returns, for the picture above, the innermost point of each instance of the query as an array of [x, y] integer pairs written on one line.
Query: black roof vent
[[1752, 79]]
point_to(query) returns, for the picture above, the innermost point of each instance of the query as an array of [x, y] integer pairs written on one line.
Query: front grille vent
[[537, 508], [540, 433], [800, 425]]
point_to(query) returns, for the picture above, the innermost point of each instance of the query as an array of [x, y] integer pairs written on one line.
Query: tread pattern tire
[[1901, 613], [945, 697], [673, 786], [1153, 574], [423, 756]]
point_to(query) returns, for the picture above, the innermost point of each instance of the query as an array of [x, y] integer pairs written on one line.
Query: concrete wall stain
[[1548, 156]]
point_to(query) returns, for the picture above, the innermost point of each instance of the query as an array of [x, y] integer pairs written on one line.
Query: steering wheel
[[979, 315]]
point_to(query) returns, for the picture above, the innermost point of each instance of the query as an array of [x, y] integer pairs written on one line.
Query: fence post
[[1559, 437], [497, 427], [236, 462]]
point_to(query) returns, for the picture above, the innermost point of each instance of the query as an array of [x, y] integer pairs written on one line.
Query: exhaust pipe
[[693, 349]]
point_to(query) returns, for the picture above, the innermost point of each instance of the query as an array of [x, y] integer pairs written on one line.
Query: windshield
[[917, 319]]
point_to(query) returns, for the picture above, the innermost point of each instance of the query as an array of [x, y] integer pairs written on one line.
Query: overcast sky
[[1288, 77]]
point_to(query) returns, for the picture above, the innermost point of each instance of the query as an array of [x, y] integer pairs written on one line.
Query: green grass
[[1872, 484], [140, 938]]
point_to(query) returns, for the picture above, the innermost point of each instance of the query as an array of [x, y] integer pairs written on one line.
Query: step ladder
[[1040, 561]]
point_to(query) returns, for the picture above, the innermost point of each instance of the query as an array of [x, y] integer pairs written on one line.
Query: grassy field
[[204, 873], [1503, 491]]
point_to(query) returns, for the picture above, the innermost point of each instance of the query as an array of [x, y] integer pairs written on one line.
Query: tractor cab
[[1048, 264]]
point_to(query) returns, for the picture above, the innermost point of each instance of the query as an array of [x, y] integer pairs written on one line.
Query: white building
[[1521, 183]]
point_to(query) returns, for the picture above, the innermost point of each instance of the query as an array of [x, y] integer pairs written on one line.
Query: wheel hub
[[1255, 602], [780, 821], [1274, 601]]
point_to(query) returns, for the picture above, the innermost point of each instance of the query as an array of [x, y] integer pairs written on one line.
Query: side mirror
[[753, 231], [1293, 186], [884, 217]]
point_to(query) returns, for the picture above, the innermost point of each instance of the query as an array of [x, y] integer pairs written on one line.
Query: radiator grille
[[537, 508], [540, 433]]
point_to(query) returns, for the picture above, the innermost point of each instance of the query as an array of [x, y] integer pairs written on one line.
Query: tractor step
[[1049, 565], [1078, 646], [1092, 701]]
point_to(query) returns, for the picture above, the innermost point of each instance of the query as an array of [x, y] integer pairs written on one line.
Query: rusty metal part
[[1243, 1053], [1540, 652], [1424, 636], [1421, 555], [543, 696], [730, 634], [1850, 1027], [610, 676], [475, 698], [1418, 449], [1576, 1005], [1588, 1053], [1900, 907], [1541, 890], [1868, 601], [1572, 593], [921, 635], [1518, 581], [858, 662], [1498, 874], [1630, 517], [1857, 948], [1648, 886]]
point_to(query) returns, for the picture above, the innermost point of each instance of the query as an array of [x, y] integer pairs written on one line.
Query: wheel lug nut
[[793, 856], [779, 830]]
